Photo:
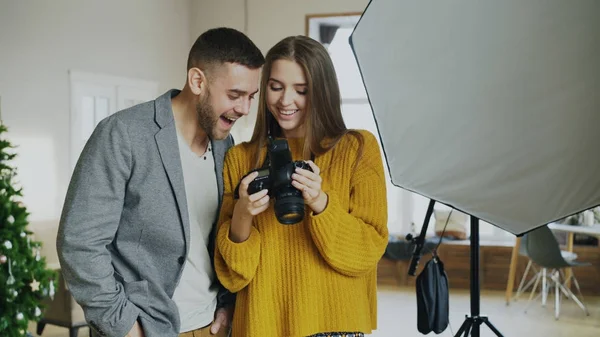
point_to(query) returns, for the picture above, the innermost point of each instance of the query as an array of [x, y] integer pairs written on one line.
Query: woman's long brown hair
[[323, 123]]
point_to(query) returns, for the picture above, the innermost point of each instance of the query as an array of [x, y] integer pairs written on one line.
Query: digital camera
[[276, 177]]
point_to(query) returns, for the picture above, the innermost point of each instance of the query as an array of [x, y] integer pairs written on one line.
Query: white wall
[[267, 22], [40, 41]]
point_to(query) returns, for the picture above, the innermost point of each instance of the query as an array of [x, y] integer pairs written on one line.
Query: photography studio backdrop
[[491, 107]]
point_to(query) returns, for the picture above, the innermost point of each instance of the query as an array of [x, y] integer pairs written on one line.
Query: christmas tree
[[24, 279]]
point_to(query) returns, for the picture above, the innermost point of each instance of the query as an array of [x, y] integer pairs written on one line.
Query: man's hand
[[136, 331], [223, 318]]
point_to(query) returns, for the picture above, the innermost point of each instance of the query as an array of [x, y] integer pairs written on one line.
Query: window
[[97, 96], [404, 208], [333, 32]]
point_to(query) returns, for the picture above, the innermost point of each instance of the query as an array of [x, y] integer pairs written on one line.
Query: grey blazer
[[124, 230]]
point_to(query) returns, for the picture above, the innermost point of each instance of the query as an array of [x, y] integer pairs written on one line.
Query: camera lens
[[289, 209], [289, 204]]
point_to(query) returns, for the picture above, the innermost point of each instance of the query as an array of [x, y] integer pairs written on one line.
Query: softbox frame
[[491, 107]]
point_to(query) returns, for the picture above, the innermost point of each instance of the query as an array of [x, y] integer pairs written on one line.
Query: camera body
[[276, 177]]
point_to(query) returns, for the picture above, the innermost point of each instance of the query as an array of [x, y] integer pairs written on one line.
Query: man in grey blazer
[[136, 235]]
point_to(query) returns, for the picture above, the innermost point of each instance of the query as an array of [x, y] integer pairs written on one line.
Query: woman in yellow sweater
[[316, 277]]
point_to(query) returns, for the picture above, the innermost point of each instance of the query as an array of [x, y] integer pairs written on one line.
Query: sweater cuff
[[332, 208], [238, 255], [322, 223]]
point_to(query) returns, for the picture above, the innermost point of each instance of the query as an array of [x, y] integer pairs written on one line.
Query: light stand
[[419, 241], [471, 325]]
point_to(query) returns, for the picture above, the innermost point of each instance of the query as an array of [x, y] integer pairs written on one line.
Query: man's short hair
[[221, 45]]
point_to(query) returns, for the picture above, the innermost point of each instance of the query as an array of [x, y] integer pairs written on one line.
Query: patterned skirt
[[339, 334]]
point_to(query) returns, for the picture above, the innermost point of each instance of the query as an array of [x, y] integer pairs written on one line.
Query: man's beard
[[207, 118]]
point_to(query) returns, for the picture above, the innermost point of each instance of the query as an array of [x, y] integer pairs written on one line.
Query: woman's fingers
[[314, 167], [308, 174], [259, 205], [258, 195], [307, 181], [244, 183], [262, 201], [307, 192]]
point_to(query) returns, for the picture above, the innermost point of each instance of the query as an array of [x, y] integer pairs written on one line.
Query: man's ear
[[196, 80]]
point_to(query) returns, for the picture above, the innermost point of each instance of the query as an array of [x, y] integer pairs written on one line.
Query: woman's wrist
[[320, 204], [240, 229]]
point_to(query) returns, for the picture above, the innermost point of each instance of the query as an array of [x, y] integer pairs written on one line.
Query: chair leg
[[527, 286], [580, 303], [40, 327], [535, 285], [73, 332], [569, 293], [521, 288], [564, 290], [544, 287], [557, 295]]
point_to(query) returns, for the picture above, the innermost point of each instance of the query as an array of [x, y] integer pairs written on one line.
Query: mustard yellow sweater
[[318, 275]]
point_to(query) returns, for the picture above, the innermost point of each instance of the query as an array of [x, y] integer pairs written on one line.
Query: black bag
[[433, 309]]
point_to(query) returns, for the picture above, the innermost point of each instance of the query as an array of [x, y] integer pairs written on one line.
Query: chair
[[570, 256], [522, 287], [543, 250]]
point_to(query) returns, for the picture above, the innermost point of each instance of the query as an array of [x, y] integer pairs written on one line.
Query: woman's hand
[[310, 185], [245, 209]]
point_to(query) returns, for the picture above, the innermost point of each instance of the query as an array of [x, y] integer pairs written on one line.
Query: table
[[593, 230]]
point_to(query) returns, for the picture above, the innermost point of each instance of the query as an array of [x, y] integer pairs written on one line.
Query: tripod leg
[[469, 328], [464, 328], [493, 328]]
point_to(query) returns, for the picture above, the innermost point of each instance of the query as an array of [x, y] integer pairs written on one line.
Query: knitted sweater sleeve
[[235, 263], [352, 239]]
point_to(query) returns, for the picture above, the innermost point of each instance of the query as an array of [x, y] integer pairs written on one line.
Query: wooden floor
[[397, 316]]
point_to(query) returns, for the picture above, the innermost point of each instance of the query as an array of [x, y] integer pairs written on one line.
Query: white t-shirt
[[195, 300]]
